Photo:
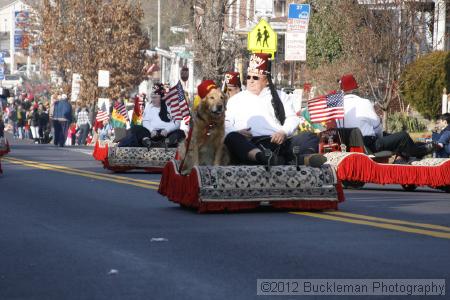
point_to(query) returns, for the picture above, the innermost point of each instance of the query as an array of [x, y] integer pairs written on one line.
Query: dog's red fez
[[205, 87], [233, 78], [259, 63], [348, 83]]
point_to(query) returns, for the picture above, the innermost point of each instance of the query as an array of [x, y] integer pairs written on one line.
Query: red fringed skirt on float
[[4, 149], [434, 172], [233, 188]]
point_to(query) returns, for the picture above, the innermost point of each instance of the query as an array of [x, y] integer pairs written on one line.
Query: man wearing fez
[[263, 118]]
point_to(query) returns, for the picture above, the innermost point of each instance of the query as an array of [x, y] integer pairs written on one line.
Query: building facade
[[12, 38], [243, 15]]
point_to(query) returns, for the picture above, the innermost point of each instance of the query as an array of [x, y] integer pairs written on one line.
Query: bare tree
[[214, 49], [378, 39]]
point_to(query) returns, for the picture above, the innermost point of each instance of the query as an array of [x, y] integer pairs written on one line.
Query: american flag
[[102, 114], [176, 101], [326, 107], [121, 109]]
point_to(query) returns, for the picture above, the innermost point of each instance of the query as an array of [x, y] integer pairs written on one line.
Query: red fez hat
[[205, 87], [233, 78], [259, 63], [348, 83]]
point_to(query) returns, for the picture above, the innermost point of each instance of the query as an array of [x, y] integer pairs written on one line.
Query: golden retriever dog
[[206, 145]]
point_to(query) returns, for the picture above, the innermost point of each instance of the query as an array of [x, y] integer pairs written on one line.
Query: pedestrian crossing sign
[[262, 39]]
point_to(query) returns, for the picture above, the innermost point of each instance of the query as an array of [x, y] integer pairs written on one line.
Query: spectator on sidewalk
[[34, 124], [44, 132], [62, 118], [20, 121], [83, 124]]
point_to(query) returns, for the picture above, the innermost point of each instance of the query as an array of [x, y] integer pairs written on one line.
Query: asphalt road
[[68, 231]]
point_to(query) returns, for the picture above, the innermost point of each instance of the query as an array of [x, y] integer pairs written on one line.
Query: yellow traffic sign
[[262, 39]]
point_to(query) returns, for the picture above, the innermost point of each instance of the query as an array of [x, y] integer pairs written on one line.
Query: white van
[[12, 81]]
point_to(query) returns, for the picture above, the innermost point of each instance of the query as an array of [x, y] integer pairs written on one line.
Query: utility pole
[[150, 35], [12, 49], [159, 23]]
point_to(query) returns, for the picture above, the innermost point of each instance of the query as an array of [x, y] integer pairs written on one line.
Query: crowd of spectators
[[45, 119]]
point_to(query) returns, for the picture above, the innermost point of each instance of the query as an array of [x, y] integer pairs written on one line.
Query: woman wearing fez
[[232, 84], [157, 125]]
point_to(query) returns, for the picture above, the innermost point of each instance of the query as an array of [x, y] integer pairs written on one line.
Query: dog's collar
[[209, 127]]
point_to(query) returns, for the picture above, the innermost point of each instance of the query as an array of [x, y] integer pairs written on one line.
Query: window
[[280, 8]]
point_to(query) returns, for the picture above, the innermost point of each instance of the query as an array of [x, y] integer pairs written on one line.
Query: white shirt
[[152, 121], [359, 113], [247, 110]]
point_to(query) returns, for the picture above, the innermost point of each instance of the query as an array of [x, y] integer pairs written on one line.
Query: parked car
[[12, 81]]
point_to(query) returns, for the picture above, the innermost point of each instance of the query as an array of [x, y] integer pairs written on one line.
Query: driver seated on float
[[262, 120], [158, 127], [360, 113]]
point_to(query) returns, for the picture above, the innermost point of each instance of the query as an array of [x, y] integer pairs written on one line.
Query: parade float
[[122, 159], [217, 187], [4, 149], [243, 187], [357, 167]]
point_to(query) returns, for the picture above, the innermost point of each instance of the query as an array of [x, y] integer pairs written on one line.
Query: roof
[[4, 3]]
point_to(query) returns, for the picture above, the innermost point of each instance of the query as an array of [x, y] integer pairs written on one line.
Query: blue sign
[[18, 36], [299, 11]]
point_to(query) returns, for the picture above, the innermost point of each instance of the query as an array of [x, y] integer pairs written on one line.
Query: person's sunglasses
[[253, 77]]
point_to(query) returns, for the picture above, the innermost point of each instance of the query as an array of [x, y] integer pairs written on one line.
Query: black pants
[[60, 128], [134, 136], [239, 146], [84, 131], [2, 128], [399, 143], [136, 133], [173, 138]]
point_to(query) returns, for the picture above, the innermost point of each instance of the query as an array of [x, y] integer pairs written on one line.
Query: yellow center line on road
[[59, 167], [70, 171], [392, 221], [438, 234]]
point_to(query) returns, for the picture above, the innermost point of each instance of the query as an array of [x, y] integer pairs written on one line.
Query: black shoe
[[262, 159], [275, 160], [313, 160], [147, 142], [432, 147]]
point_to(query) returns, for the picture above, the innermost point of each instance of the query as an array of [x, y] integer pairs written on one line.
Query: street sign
[[299, 11], [297, 25], [262, 39], [297, 29], [103, 78], [295, 46], [76, 87]]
